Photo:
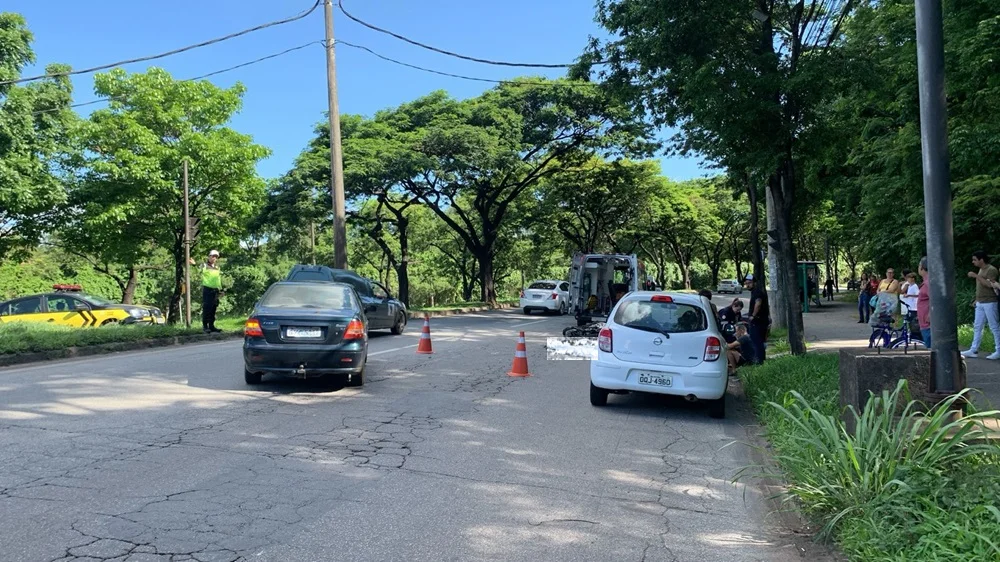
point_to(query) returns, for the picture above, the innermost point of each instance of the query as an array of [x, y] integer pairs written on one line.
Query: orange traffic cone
[[425, 337], [520, 366]]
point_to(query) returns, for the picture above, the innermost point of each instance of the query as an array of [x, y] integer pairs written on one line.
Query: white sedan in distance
[[662, 343], [729, 286], [547, 296]]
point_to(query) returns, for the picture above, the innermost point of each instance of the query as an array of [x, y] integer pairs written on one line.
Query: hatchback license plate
[[655, 379], [304, 333], [536, 296]]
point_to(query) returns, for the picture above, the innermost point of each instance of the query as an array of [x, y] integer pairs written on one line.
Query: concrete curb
[[114, 347], [418, 314]]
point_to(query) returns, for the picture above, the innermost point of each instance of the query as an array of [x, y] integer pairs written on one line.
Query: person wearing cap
[[760, 318], [211, 290]]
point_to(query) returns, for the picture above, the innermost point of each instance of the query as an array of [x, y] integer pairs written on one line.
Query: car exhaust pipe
[[691, 398]]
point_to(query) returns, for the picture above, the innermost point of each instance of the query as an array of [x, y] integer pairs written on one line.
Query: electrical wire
[[168, 53], [340, 4], [203, 76], [460, 76]]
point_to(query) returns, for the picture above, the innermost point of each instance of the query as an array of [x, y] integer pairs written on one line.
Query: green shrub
[[904, 485], [27, 337]]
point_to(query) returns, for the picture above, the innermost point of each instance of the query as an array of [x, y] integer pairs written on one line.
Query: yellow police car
[[68, 305]]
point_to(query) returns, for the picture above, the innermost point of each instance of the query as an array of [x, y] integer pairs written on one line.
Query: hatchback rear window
[[543, 285], [666, 317], [309, 296]]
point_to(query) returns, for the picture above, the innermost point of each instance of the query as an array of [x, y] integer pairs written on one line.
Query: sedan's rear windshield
[[664, 317], [544, 285], [317, 295], [309, 276]]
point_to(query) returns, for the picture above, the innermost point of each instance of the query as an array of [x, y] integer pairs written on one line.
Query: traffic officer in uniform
[[211, 290]]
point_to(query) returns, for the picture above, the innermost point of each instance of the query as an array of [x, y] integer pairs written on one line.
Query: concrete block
[[864, 371]]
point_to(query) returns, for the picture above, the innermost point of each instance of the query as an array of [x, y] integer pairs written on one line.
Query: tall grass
[[908, 483]]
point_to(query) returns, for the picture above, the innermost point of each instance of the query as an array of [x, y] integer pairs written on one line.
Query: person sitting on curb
[[741, 350]]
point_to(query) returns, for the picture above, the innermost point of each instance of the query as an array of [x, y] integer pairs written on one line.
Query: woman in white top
[[908, 293]]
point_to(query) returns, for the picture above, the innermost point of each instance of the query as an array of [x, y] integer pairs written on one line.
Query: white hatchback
[[663, 343]]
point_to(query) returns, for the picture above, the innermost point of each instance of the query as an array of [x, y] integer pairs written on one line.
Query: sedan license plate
[[655, 379], [304, 333]]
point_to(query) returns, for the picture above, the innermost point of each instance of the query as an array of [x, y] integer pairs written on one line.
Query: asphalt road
[[167, 455]]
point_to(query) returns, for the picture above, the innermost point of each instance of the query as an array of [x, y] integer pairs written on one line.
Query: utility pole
[[312, 240], [336, 157], [937, 193], [187, 251]]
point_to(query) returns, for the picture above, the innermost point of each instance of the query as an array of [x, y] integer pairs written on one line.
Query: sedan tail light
[[252, 328], [713, 349], [604, 342], [355, 330]]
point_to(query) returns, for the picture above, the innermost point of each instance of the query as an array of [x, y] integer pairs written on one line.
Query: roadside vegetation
[[29, 337], [912, 487]]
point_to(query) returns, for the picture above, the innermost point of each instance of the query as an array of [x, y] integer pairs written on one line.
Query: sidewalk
[[835, 325]]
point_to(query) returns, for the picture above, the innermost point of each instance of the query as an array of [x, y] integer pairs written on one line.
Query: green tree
[[35, 120], [741, 80], [128, 199], [593, 202], [684, 220]]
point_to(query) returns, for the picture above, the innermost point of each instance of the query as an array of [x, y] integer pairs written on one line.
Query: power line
[[340, 4], [460, 76], [203, 76], [168, 53]]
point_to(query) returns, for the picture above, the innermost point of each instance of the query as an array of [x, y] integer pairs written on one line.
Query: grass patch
[[965, 333], [899, 487], [459, 306], [29, 337]]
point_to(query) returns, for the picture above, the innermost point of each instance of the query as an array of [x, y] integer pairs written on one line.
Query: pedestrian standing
[[829, 289], [864, 297], [908, 293], [211, 290], [986, 305], [924, 303], [760, 317]]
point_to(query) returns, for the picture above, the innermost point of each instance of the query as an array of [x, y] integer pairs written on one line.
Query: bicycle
[[907, 339], [886, 335]]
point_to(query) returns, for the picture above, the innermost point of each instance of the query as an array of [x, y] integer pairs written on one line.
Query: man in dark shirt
[[741, 349], [760, 317]]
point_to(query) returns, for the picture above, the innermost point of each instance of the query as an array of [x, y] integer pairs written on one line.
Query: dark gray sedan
[[306, 330]]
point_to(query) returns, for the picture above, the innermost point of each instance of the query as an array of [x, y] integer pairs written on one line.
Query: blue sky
[[286, 96]]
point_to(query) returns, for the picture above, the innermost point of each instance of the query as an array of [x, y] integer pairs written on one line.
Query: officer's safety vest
[[211, 277]]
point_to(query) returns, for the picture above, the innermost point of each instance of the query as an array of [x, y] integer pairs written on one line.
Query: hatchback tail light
[[522, 293], [355, 330], [555, 296], [604, 340], [252, 328], [713, 349]]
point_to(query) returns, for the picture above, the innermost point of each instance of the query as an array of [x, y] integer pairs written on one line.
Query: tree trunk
[[758, 262], [781, 191], [128, 295], [174, 308], [487, 290], [685, 273], [403, 269]]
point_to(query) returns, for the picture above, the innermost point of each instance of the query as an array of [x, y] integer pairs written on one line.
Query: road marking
[[527, 323], [391, 350]]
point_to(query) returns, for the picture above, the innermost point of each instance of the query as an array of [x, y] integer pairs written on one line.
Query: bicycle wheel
[[900, 343], [880, 338]]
